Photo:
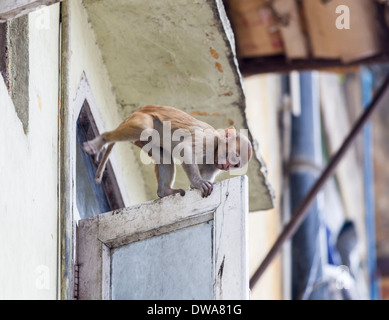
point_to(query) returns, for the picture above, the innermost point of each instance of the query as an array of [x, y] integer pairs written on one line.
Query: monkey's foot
[[89, 148], [169, 192], [99, 177]]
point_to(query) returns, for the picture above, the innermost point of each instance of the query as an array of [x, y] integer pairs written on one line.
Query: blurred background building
[[328, 58]]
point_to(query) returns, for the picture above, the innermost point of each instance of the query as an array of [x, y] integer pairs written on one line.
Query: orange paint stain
[[39, 103], [214, 53], [199, 113], [205, 114], [225, 94], [219, 67]]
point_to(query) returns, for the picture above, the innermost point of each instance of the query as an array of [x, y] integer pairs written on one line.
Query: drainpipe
[[367, 80], [305, 168]]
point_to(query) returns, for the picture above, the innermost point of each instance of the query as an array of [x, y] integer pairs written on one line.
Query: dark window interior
[[92, 198]]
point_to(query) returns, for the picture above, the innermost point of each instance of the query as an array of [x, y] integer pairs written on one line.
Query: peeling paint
[[210, 37], [220, 276]]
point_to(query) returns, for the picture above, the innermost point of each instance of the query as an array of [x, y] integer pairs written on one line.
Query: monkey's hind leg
[[129, 130], [103, 163], [165, 176]]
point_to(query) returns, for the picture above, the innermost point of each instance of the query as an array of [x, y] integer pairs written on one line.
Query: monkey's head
[[234, 150]]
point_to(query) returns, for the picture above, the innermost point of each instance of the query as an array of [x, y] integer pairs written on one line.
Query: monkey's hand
[[204, 186], [192, 171]]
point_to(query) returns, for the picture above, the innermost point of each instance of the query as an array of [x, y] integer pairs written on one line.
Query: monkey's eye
[[236, 166]]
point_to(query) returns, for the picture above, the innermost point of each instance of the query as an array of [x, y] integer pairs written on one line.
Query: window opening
[[92, 198]]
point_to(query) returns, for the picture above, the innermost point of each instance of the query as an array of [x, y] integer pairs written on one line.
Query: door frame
[[227, 207]]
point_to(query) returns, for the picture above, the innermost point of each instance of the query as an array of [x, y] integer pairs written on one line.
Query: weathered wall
[[28, 166], [29, 162]]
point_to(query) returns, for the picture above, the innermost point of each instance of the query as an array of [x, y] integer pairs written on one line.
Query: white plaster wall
[[28, 166], [86, 58], [29, 163]]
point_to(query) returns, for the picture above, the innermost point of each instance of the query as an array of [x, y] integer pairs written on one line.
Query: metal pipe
[[300, 212], [305, 158], [367, 80]]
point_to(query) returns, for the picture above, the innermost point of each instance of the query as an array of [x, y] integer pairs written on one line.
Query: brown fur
[[179, 119], [151, 118]]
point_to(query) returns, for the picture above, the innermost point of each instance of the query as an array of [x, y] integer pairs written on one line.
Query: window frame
[[84, 95], [108, 193]]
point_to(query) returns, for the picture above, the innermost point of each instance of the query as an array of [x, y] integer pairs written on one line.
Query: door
[[172, 248]]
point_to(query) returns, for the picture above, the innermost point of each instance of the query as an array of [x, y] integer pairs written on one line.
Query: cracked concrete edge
[[225, 29]]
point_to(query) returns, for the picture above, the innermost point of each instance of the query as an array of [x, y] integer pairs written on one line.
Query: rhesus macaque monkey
[[203, 151]]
